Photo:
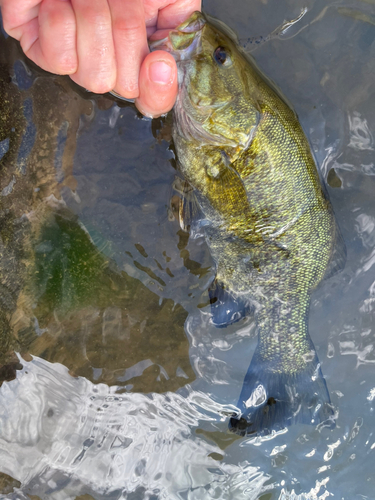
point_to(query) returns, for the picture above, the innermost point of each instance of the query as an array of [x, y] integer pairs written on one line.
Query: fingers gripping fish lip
[[184, 41], [194, 23]]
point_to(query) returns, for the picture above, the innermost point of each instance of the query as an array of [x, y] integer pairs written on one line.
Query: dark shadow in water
[[62, 299]]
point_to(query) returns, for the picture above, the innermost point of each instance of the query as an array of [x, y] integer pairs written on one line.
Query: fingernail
[[160, 72]]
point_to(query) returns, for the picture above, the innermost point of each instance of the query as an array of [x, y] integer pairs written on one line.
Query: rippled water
[[114, 384]]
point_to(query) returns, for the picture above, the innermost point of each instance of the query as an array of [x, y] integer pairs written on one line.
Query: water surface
[[115, 385]]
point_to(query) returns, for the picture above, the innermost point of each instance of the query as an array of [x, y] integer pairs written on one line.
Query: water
[[115, 385]]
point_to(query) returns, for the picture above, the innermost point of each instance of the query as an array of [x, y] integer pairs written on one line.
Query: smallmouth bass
[[252, 186]]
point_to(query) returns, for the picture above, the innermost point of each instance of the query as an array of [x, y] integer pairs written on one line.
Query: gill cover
[[217, 103]]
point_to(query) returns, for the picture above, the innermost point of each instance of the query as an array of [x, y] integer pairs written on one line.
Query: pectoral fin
[[190, 214], [226, 308]]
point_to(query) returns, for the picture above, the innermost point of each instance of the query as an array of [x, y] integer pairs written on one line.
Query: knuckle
[[95, 15], [101, 54], [66, 65], [100, 85], [127, 87], [6, 26], [57, 22], [128, 27], [94, 81], [9, 22], [128, 94]]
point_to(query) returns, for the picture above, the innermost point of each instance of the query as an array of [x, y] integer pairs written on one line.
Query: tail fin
[[226, 309], [271, 401]]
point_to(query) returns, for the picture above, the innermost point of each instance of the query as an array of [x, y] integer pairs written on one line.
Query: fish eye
[[222, 57]]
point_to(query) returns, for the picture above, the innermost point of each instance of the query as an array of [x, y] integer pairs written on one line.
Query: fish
[[253, 190]]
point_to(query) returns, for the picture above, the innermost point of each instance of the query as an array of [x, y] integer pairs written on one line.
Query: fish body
[[254, 190]]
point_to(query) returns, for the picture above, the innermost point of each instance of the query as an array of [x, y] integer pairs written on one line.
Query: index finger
[[176, 13], [17, 15], [130, 41]]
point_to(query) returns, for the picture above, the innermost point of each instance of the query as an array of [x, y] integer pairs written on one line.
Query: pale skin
[[102, 44]]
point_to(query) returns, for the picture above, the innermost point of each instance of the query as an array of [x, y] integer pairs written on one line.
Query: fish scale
[[266, 217]]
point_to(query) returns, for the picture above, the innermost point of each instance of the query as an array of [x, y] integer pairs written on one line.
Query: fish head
[[218, 94]]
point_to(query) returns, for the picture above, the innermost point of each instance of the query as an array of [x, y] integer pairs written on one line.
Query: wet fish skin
[[265, 215]]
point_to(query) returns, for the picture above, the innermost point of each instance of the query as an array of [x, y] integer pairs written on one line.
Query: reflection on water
[[122, 388], [63, 436]]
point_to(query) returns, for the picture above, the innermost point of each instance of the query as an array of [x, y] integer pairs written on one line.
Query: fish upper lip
[[193, 25], [179, 55]]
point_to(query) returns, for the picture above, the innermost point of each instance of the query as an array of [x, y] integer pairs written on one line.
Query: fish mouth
[[183, 41]]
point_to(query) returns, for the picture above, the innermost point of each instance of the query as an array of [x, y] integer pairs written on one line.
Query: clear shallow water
[[123, 388]]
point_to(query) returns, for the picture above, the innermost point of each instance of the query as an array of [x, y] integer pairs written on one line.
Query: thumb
[[157, 84]]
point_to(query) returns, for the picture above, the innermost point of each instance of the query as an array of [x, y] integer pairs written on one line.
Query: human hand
[[102, 44]]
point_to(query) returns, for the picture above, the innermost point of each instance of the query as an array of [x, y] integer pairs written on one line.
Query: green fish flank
[[253, 187]]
